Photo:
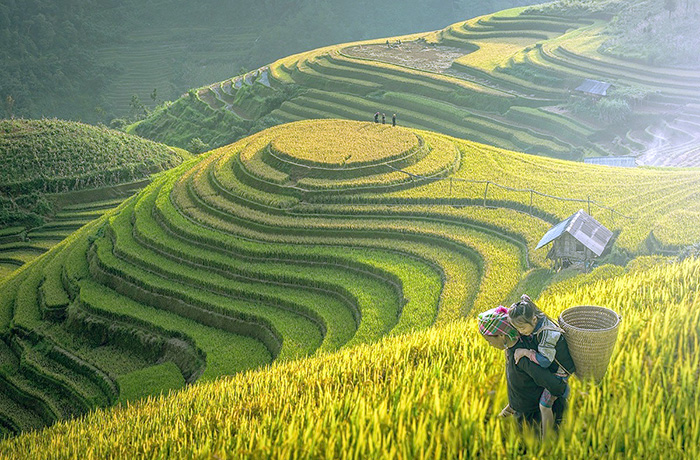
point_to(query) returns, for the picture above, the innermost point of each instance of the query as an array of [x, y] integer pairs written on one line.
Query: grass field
[[295, 243]]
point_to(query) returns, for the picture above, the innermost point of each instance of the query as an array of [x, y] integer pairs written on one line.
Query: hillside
[[86, 60], [300, 240], [56, 176], [507, 79], [431, 394]]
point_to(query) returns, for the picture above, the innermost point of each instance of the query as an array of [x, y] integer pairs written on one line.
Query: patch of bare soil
[[422, 56], [416, 54]]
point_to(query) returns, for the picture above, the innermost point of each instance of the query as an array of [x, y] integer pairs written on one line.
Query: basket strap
[[551, 328], [565, 369], [556, 329]]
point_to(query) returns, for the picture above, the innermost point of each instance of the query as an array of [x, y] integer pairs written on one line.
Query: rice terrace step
[[307, 283]]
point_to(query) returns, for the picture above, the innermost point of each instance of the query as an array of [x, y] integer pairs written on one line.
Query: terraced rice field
[[505, 79], [300, 240], [19, 245], [433, 393], [66, 174]]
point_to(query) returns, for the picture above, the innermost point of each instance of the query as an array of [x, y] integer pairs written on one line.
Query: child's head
[[523, 315]]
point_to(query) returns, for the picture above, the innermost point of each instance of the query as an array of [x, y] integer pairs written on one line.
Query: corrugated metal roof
[[623, 162], [584, 228], [554, 232], [589, 86]]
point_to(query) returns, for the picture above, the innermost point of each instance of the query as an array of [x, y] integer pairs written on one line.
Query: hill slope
[[506, 79], [303, 239], [430, 394], [86, 60], [67, 173]]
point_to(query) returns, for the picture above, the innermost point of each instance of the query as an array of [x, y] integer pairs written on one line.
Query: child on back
[[552, 352]]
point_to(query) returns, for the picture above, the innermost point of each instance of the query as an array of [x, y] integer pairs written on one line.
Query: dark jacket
[[526, 380]]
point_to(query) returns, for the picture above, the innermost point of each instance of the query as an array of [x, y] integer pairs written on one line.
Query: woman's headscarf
[[495, 322]]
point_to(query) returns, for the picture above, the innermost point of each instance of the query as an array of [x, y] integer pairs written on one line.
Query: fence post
[[589, 204], [531, 192], [486, 191], [450, 186]]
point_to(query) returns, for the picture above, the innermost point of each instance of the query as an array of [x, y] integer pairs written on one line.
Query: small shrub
[[198, 146]]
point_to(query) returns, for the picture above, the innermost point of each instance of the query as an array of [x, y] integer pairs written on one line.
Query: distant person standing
[[383, 119], [393, 120], [376, 117]]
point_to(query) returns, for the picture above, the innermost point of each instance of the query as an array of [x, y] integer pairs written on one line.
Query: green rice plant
[[309, 223], [11, 232], [226, 353], [305, 75], [505, 133], [151, 381], [458, 86], [417, 384], [16, 418], [53, 297], [325, 271], [71, 151], [384, 300], [7, 303], [263, 322], [349, 288], [336, 323], [557, 122], [173, 218], [210, 98], [68, 393], [388, 81]]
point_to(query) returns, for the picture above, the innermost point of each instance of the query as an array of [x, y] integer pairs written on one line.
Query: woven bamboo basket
[[591, 333]]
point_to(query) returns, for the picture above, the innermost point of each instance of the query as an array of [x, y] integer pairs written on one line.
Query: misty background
[[96, 60]]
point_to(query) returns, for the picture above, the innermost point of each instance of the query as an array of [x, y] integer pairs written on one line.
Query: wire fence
[[488, 183]]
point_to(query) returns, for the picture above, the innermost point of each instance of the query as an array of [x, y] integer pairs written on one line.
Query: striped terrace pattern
[[433, 393], [302, 239], [217, 268], [512, 87]]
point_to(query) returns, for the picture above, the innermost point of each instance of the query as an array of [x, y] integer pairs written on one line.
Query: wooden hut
[[576, 241]]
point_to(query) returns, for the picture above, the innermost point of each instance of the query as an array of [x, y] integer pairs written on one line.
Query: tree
[[9, 106], [138, 110], [198, 146]]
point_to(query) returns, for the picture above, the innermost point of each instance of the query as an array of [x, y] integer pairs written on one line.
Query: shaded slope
[[56, 176]]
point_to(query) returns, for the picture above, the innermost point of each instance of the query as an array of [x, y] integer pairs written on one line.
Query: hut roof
[[584, 228], [621, 161], [599, 88]]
